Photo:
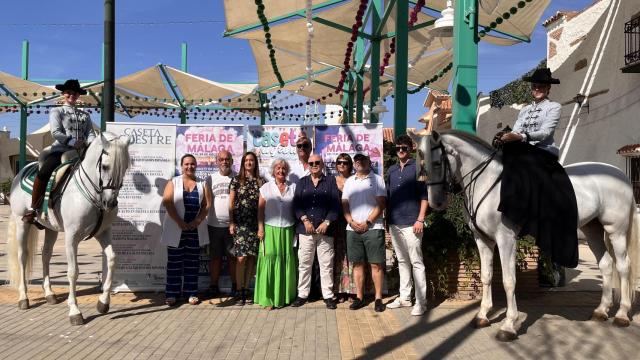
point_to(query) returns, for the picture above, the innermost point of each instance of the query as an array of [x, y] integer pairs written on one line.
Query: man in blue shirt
[[406, 209]]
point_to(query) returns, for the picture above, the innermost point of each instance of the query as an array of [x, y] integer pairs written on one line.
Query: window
[[633, 169], [632, 45]]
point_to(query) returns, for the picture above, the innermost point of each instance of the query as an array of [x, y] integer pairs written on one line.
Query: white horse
[[86, 209], [605, 205]]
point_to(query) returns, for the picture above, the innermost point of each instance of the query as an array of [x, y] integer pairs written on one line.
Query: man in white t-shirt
[[221, 241], [363, 200]]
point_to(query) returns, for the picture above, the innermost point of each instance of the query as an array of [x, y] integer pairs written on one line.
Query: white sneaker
[[418, 310], [398, 303]]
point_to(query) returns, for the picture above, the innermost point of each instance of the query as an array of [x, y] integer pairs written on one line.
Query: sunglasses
[[342, 162], [224, 159], [315, 163], [402, 148], [304, 146]]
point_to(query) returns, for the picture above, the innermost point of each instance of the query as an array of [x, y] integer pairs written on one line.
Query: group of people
[[274, 226], [274, 229]]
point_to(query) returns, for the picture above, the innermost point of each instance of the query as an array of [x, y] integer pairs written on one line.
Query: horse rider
[[536, 192], [537, 121], [71, 129]]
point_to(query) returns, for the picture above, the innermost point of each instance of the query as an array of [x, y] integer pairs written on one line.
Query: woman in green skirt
[[276, 278]]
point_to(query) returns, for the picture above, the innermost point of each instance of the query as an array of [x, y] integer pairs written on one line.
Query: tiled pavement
[[139, 327]]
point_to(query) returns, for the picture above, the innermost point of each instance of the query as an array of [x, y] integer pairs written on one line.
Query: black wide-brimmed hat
[[72, 85], [541, 76]]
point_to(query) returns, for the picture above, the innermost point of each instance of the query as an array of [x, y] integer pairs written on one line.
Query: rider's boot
[[37, 193]]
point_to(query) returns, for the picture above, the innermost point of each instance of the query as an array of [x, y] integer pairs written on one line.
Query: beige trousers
[[308, 245]]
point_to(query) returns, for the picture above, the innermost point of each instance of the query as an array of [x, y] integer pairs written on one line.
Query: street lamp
[[379, 109], [443, 27], [581, 101]]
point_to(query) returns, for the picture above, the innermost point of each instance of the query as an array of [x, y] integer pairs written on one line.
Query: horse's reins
[[473, 178]]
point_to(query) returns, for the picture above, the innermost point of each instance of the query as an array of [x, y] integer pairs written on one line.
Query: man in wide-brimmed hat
[[71, 128], [537, 121]]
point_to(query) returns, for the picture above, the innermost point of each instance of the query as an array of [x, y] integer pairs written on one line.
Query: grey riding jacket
[[68, 125], [537, 122]]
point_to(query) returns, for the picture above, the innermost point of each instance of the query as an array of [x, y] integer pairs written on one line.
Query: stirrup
[[30, 216]]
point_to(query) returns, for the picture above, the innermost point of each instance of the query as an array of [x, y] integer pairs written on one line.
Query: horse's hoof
[[505, 336], [51, 299], [599, 316], [102, 308], [76, 320], [621, 322], [479, 323], [23, 304]]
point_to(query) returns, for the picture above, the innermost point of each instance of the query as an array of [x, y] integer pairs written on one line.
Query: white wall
[[613, 119], [572, 30]]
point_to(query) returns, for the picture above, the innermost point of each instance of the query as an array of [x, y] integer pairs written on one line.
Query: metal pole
[[108, 92], [22, 160], [378, 8], [465, 66], [402, 61], [183, 66], [103, 121]]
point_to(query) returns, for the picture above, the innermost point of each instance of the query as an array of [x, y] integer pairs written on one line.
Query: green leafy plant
[[448, 245], [5, 186], [515, 92]]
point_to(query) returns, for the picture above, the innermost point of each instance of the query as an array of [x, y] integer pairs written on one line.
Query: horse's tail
[[13, 245], [633, 250]]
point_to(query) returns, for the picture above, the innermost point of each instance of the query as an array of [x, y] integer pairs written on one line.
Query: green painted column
[[465, 66], [22, 160], [183, 63], [345, 100], [375, 58], [263, 109], [402, 61], [350, 97], [359, 83]]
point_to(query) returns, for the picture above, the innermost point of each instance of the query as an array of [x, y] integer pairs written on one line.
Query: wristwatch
[[369, 223], [327, 222]]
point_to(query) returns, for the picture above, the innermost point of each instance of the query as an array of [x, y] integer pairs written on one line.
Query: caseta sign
[[141, 259]]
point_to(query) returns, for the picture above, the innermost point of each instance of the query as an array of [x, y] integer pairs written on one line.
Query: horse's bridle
[[450, 185], [100, 187], [454, 186]]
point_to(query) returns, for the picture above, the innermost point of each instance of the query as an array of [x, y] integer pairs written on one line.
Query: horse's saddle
[[58, 177]]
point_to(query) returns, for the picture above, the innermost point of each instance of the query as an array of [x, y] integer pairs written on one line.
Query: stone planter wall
[[465, 284]]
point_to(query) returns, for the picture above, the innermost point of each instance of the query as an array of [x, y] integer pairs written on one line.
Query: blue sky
[[60, 52]]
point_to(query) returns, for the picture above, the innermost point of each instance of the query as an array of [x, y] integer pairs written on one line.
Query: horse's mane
[[468, 137]]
